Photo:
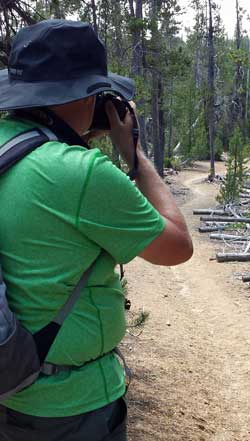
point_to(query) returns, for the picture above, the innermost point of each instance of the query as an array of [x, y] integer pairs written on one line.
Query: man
[[62, 207]]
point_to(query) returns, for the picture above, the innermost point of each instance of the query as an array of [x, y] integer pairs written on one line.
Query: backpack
[[22, 355]]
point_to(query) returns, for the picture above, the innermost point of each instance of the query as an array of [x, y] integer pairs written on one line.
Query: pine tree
[[236, 171]]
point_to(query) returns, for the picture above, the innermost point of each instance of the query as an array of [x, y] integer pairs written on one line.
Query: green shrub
[[174, 163], [168, 162]]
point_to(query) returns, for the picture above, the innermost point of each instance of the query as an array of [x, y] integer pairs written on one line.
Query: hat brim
[[19, 94]]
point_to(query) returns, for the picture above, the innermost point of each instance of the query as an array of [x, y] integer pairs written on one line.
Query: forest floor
[[191, 361]]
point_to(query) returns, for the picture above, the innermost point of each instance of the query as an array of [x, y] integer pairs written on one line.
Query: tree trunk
[[245, 196], [247, 88], [233, 257], [211, 91], [93, 5], [158, 157], [137, 65], [204, 211], [238, 26], [237, 109], [210, 229], [57, 10], [142, 123], [170, 120], [117, 39], [229, 237], [156, 86], [235, 220], [161, 118]]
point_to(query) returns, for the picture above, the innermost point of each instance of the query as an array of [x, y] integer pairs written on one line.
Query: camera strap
[[134, 171]]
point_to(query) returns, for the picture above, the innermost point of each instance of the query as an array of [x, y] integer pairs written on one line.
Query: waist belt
[[49, 369]]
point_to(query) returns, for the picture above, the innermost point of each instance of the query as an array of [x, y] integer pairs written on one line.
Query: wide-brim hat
[[56, 62]]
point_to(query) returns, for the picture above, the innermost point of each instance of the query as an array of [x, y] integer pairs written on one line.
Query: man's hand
[[122, 133]]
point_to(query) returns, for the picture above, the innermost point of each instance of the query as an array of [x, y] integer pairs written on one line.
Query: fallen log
[[209, 211], [237, 220], [229, 237], [211, 228], [245, 195], [246, 279], [233, 257], [246, 250]]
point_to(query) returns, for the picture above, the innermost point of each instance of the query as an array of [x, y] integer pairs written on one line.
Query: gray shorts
[[107, 423]]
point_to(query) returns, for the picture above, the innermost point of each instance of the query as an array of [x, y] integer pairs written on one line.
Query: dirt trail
[[192, 361]]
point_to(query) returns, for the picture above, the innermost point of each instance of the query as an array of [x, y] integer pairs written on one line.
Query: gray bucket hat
[[56, 62]]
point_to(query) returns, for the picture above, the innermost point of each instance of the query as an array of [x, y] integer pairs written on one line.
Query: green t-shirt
[[61, 207]]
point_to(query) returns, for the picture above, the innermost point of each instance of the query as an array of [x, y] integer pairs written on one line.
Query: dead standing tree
[[211, 89], [237, 99], [155, 81], [94, 9], [56, 8], [137, 68]]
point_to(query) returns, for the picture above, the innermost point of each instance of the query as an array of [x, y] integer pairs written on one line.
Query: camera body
[[100, 118], [101, 121]]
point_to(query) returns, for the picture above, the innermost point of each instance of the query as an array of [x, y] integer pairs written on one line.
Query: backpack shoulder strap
[[21, 145], [46, 336], [10, 153], [68, 306]]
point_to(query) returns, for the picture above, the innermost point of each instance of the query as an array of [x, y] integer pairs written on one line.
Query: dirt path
[[192, 361]]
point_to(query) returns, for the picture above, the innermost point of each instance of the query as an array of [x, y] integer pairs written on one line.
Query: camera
[[100, 118]]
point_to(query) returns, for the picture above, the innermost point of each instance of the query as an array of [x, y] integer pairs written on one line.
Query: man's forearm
[[155, 190]]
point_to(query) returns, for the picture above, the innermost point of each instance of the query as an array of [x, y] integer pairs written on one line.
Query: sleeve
[[114, 213]]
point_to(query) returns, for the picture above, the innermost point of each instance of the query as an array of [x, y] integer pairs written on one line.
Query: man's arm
[[174, 245]]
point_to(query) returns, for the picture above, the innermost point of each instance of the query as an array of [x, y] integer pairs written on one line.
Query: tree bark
[[158, 156], [137, 65], [236, 220], [161, 118], [211, 91], [247, 85], [233, 257], [170, 121], [95, 25], [237, 106], [58, 10], [210, 229], [245, 195], [229, 237], [205, 211], [155, 75]]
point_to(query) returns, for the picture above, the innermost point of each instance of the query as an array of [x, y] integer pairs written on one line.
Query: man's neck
[[48, 118]]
